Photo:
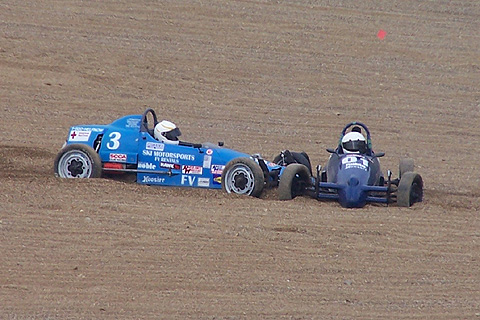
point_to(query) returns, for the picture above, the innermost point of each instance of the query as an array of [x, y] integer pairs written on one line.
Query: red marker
[[381, 34]]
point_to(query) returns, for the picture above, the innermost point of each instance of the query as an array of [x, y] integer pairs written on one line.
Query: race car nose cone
[[352, 196], [353, 182]]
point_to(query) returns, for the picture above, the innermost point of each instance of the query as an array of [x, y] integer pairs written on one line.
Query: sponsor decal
[[149, 179], [174, 155], [192, 169], [217, 168], [155, 146], [352, 162], [209, 152], [207, 161], [217, 179], [168, 165], [146, 165], [190, 180], [203, 182], [133, 123], [77, 128], [118, 157], [356, 165], [79, 135]]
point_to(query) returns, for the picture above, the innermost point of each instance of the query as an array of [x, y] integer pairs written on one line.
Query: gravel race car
[[127, 148], [353, 179]]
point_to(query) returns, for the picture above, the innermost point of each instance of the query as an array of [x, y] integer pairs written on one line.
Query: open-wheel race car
[[127, 147], [353, 175]]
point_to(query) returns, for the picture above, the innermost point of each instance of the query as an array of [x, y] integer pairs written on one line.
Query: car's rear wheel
[[410, 189], [406, 165], [78, 161], [287, 157], [295, 178], [243, 176]]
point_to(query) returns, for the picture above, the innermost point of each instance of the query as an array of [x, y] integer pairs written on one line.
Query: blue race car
[[353, 176], [127, 148]]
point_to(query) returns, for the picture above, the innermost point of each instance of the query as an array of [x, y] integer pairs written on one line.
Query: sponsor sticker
[[79, 135], [168, 165], [148, 179], [217, 168], [209, 152], [118, 157], [155, 146], [146, 165], [356, 165], [204, 182], [207, 161], [192, 169], [217, 179], [352, 162], [80, 128], [174, 155], [133, 123]]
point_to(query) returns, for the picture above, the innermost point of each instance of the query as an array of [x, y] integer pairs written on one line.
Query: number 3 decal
[[114, 143]]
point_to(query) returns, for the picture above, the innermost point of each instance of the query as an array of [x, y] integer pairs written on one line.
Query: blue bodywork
[[353, 179], [351, 187], [127, 145]]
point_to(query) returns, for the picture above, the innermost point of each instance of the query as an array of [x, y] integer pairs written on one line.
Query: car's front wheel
[[78, 161], [410, 189], [243, 176]]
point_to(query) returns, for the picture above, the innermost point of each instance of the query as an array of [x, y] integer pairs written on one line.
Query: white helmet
[[354, 142], [167, 132]]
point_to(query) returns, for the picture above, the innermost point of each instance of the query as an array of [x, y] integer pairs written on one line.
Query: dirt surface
[[262, 76]]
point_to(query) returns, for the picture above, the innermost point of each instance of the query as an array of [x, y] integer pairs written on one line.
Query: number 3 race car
[[353, 178], [127, 147]]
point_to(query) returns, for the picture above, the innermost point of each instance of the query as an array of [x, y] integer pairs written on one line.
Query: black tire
[[78, 161], [295, 178], [410, 189], [406, 165], [287, 157], [243, 176]]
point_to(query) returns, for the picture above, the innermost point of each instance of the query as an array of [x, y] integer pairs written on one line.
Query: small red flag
[[381, 34]]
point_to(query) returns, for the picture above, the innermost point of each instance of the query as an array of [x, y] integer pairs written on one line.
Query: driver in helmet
[[167, 132], [354, 142]]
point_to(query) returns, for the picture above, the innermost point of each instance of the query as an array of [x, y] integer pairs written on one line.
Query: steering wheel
[[144, 125]]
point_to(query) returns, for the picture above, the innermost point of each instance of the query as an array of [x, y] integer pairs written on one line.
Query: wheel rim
[[75, 164], [240, 180]]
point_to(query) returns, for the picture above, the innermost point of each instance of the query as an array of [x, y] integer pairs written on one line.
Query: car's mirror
[[379, 154], [330, 150]]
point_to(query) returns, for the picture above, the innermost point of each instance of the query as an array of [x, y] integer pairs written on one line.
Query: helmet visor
[[355, 146], [172, 135]]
